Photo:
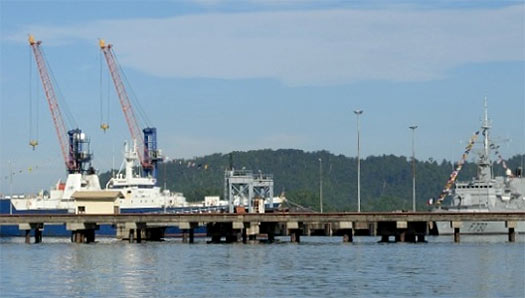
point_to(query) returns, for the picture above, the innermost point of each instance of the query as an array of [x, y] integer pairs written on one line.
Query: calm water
[[319, 266]]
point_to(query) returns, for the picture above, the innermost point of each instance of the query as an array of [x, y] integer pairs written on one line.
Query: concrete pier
[[254, 227]]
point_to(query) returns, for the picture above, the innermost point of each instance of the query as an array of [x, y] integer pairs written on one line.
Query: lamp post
[[321, 185], [413, 128], [358, 112], [10, 188], [166, 159]]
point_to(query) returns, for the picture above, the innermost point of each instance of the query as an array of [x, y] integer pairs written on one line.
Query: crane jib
[[72, 142], [146, 138]]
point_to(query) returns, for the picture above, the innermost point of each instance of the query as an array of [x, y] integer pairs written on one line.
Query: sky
[[222, 75]]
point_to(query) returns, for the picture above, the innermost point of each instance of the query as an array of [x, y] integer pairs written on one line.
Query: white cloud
[[319, 47]]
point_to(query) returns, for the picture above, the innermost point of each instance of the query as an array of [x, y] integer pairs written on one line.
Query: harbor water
[[479, 266]]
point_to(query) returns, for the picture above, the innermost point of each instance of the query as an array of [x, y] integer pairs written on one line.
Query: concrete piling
[[131, 235], [295, 236], [38, 235], [244, 236], [83, 236], [456, 225], [36, 227], [511, 225], [512, 235], [192, 235], [348, 236], [28, 236], [456, 235], [82, 232], [185, 236], [271, 236]]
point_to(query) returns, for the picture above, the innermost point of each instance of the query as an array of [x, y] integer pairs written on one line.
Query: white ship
[[141, 193], [58, 199]]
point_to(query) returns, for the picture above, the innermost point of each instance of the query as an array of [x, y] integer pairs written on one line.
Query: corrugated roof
[[97, 194]]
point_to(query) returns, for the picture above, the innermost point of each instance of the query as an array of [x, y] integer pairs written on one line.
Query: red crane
[[146, 138], [74, 156]]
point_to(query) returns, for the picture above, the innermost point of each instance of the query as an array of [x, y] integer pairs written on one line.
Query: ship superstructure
[[140, 192]]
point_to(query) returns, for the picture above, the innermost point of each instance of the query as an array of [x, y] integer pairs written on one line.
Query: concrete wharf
[[233, 227]]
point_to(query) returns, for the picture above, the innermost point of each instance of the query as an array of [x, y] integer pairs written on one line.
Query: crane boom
[[146, 138], [49, 90], [72, 142]]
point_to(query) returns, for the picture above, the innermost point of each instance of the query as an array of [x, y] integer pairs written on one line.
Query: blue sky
[[216, 76]]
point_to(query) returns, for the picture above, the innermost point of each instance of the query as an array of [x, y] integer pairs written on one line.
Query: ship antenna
[[486, 127]]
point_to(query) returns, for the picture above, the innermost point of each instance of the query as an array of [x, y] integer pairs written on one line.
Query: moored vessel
[[485, 192]]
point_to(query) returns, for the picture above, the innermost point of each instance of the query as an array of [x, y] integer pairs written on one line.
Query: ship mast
[[485, 164]]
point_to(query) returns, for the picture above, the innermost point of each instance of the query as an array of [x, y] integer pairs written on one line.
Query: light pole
[[321, 184], [413, 128], [166, 159], [10, 188], [358, 112]]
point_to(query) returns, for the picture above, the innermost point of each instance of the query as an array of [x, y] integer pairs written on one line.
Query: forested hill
[[386, 181]]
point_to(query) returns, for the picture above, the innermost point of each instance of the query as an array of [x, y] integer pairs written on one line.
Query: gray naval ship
[[486, 193]]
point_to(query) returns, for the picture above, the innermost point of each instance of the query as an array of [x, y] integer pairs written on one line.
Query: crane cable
[[133, 97], [104, 121], [71, 123], [33, 111]]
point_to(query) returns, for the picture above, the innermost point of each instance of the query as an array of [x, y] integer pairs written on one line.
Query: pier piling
[[28, 236], [131, 236], [37, 227], [185, 236], [456, 225], [348, 235], [512, 235], [295, 236], [38, 235], [456, 235], [511, 225]]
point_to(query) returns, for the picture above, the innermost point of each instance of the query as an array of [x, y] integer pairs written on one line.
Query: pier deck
[[403, 226]]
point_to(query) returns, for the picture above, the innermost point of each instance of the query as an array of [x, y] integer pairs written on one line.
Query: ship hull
[[479, 228], [104, 230]]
